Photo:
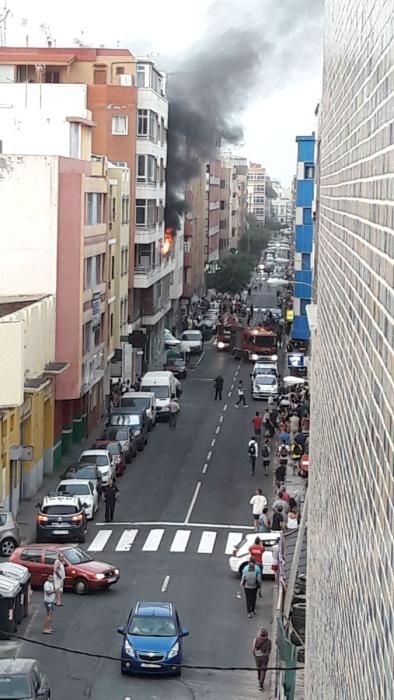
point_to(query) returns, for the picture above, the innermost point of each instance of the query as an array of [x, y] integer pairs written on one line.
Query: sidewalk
[[26, 517]]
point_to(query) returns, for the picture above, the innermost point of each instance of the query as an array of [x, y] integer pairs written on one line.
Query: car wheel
[[7, 547], [123, 670], [81, 586]]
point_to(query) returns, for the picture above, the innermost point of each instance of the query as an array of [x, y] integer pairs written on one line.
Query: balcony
[[149, 234], [145, 275]]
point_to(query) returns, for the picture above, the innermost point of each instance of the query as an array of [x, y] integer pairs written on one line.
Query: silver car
[[9, 533]]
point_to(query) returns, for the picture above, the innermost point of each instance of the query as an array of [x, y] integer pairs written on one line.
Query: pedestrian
[[261, 651], [174, 410], [258, 501], [296, 454], [218, 384], [264, 521], [49, 601], [59, 574], [265, 453], [253, 452], [257, 421], [251, 310], [280, 475], [256, 551], [241, 394], [280, 501], [283, 453], [292, 519], [110, 498], [251, 581], [294, 422], [278, 521]]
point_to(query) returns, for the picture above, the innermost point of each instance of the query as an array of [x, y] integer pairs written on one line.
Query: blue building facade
[[303, 258]]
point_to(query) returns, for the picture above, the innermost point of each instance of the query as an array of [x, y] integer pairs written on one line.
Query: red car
[[83, 574], [116, 452]]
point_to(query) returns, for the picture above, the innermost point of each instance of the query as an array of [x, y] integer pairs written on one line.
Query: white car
[[193, 340], [169, 339], [103, 460], [86, 492], [241, 555], [264, 386]]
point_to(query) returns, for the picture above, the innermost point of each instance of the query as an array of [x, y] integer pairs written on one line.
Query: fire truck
[[224, 331], [253, 343]]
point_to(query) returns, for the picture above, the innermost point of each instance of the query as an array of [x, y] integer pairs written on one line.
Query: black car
[[84, 471], [125, 436], [132, 418], [61, 518], [177, 366], [23, 678]]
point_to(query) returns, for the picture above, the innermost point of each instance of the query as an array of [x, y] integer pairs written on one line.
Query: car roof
[[192, 332], [138, 394], [93, 452], [61, 500], [69, 482], [15, 666], [77, 466], [127, 409], [148, 609]]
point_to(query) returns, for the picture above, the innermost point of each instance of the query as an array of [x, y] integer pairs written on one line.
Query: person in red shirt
[[256, 551], [257, 421]]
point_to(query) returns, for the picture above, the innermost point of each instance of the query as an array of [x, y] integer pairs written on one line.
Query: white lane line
[[126, 540], [165, 584], [152, 542], [205, 468], [232, 386], [213, 442], [207, 542], [217, 429], [221, 419], [193, 502], [232, 539], [99, 542], [146, 523], [209, 455], [225, 407], [229, 394], [179, 543]]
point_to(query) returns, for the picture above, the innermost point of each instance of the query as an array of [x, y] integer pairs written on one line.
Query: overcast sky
[[278, 106]]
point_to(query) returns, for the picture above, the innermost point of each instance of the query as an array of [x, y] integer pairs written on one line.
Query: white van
[[141, 399], [163, 385]]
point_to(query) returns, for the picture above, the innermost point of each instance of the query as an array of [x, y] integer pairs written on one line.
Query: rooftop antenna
[[48, 34], [3, 24]]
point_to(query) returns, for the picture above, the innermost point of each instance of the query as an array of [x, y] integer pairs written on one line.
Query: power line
[[106, 657]]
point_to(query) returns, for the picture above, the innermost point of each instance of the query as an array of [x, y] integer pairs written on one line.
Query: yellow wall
[[9, 435]]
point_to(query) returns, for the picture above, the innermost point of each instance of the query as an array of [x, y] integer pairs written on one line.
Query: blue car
[[152, 640]]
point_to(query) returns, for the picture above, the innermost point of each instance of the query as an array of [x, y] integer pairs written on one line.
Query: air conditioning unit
[[126, 80]]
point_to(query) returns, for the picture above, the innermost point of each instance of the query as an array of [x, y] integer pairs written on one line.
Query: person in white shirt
[[59, 574], [258, 502], [241, 395], [49, 599]]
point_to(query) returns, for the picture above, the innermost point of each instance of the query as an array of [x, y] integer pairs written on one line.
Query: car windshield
[[74, 555], [114, 448], [83, 473], [99, 460], [191, 336], [14, 687], [265, 379], [74, 489], [161, 392], [144, 626], [262, 341], [60, 510], [265, 370], [140, 402], [176, 363]]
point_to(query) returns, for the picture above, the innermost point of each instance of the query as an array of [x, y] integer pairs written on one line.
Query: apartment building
[[195, 238], [281, 205], [227, 192], [350, 599], [212, 214], [257, 179]]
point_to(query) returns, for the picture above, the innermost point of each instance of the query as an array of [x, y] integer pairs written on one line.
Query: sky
[[280, 94]]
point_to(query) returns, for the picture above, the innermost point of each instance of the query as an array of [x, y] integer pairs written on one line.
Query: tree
[[233, 274], [256, 238]]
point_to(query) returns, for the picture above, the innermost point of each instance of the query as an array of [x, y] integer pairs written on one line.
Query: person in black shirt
[[278, 521], [218, 384], [110, 496]]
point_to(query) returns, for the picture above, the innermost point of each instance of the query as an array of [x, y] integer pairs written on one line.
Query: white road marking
[[205, 467], [207, 542], [209, 455], [126, 540], [193, 503], [213, 442], [146, 523], [218, 429], [229, 394], [221, 419], [225, 407], [165, 584], [232, 386], [232, 539], [153, 540], [179, 543], [99, 542]]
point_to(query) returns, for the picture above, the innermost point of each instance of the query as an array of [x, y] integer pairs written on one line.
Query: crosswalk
[[178, 540]]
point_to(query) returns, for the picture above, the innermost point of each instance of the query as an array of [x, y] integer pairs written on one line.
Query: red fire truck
[[253, 343], [224, 331]]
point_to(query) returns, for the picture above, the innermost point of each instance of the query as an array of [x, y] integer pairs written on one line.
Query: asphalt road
[[193, 480]]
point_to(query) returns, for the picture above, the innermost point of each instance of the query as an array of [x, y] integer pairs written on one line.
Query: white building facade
[[256, 191], [350, 578]]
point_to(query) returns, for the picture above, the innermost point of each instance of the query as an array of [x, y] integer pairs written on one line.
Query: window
[[119, 70], [309, 171], [142, 122], [74, 140], [87, 338], [120, 126], [93, 208], [33, 555], [111, 325], [307, 215], [125, 209], [50, 557], [52, 76], [112, 267], [140, 75], [141, 168], [306, 261], [145, 212], [303, 304]]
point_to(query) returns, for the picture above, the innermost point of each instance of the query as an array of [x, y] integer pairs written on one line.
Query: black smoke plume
[[244, 52]]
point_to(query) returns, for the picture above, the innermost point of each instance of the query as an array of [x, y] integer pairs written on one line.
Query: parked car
[[152, 640], [141, 399], [9, 533], [86, 492], [137, 420], [115, 449], [103, 460], [88, 472], [126, 438], [60, 518], [241, 556], [163, 385], [193, 340], [83, 573], [264, 386], [23, 678], [169, 339], [177, 366]]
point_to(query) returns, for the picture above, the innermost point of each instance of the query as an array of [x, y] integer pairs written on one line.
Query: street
[[183, 503]]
